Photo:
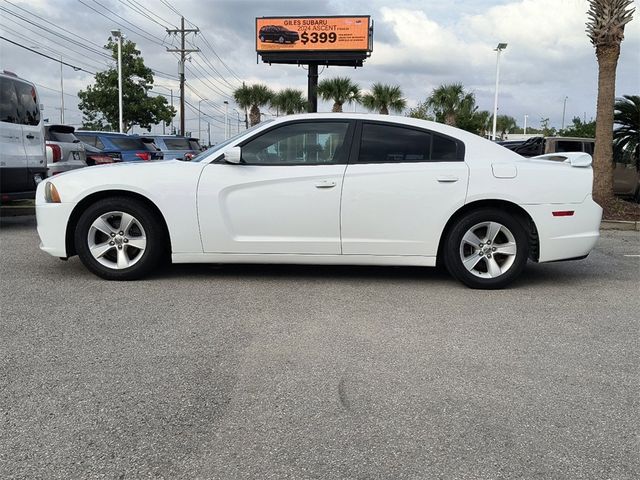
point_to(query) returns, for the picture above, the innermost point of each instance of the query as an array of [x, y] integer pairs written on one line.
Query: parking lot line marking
[[632, 255]]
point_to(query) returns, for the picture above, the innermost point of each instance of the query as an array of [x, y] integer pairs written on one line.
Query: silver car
[[64, 151]]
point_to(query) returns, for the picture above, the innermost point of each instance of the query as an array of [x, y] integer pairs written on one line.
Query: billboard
[[312, 34]]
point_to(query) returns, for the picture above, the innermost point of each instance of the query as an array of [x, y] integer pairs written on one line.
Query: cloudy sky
[[417, 44]]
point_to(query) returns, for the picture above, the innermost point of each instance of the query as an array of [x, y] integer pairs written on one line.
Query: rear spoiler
[[61, 128], [576, 159]]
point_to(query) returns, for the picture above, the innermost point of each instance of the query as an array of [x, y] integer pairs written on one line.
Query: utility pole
[[183, 56], [564, 108]]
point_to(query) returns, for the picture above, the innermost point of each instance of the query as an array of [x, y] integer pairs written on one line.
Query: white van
[[23, 162]]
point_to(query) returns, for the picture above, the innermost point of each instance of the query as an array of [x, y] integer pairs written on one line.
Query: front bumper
[[566, 237], [52, 220]]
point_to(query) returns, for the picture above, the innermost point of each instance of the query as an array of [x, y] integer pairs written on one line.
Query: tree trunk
[[254, 115], [337, 107], [603, 155], [384, 110], [450, 119]]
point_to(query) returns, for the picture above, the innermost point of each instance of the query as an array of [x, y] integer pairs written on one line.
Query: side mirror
[[233, 155]]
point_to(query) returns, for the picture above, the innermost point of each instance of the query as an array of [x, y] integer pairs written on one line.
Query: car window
[[444, 149], [393, 144], [568, 146], [588, 147], [99, 144], [304, 143], [177, 143], [88, 139], [128, 143], [28, 108], [8, 101], [60, 136]]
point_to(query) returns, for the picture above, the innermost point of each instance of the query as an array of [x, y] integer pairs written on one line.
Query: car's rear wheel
[[487, 249], [262, 39], [281, 39], [119, 239]]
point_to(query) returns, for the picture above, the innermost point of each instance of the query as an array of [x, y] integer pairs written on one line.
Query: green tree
[[448, 102], [421, 111], [505, 124], [253, 97], [384, 98], [289, 101], [242, 96], [605, 29], [626, 138], [341, 90], [99, 102], [546, 130], [578, 128]]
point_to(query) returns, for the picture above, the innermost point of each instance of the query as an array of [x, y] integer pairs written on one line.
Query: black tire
[[146, 223], [262, 38], [454, 244], [281, 40]]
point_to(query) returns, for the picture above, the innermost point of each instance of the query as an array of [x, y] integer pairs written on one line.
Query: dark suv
[[276, 33]]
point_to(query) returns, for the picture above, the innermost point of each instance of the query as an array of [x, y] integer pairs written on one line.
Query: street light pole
[[61, 94], [199, 116], [498, 49], [525, 123], [564, 108], [118, 34], [226, 120]]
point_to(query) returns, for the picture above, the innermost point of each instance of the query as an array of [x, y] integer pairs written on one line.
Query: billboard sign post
[[314, 41]]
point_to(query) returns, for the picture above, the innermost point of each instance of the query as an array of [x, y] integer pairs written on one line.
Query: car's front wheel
[[487, 249], [119, 239]]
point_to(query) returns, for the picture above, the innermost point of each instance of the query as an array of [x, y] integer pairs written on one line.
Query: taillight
[[56, 152], [146, 156], [99, 159]]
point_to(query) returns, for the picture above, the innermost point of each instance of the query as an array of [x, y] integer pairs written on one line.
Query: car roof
[[99, 132], [13, 76], [581, 139]]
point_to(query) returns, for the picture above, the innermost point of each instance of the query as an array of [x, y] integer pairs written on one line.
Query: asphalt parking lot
[[318, 372]]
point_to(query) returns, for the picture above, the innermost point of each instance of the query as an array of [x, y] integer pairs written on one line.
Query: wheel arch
[[94, 197], [514, 209]]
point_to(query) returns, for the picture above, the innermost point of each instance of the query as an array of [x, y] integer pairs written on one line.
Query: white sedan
[[329, 189]]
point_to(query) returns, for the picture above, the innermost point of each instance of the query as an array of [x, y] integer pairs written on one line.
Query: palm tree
[[505, 124], [242, 96], [450, 101], [626, 138], [605, 29], [253, 97], [384, 98], [341, 90], [289, 101]]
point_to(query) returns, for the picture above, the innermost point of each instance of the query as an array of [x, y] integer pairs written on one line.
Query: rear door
[[400, 188]]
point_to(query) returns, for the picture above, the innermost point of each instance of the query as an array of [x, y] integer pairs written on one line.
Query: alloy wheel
[[488, 249], [117, 240]]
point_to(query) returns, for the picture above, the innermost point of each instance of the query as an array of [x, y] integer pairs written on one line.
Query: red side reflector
[[563, 213]]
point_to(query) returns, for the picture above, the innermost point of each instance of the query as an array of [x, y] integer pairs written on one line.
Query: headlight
[[51, 194]]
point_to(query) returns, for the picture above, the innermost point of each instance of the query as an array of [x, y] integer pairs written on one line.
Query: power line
[[47, 56], [140, 11]]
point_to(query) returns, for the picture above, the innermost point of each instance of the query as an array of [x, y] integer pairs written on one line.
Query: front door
[[284, 196]]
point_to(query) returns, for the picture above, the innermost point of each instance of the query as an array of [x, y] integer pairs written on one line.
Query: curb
[[620, 225]]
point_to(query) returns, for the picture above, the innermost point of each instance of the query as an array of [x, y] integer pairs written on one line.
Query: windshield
[[212, 151]]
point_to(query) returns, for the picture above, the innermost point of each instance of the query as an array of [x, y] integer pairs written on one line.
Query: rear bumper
[[568, 237]]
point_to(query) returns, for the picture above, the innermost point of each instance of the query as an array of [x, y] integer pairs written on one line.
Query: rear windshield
[[128, 143], [60, 137], [177, 143], [195, 145]]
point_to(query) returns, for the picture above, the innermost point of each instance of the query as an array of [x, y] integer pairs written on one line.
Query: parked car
[[63, 149], [130, 148], [23, 163], [329, 189], [626, 176], [172, 146], [276, 33]]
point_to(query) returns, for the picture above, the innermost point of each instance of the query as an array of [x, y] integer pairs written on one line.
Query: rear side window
[[128, 143], [28, 108], [177, 143], [8, 101], [395, 144], [568, 146], [60, 136]]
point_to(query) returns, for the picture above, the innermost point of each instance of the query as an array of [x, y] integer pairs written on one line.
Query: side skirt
[[297, 259]]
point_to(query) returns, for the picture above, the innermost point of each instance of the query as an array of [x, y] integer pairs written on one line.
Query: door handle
[[30, 137], [325, 184], [448, 179]]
